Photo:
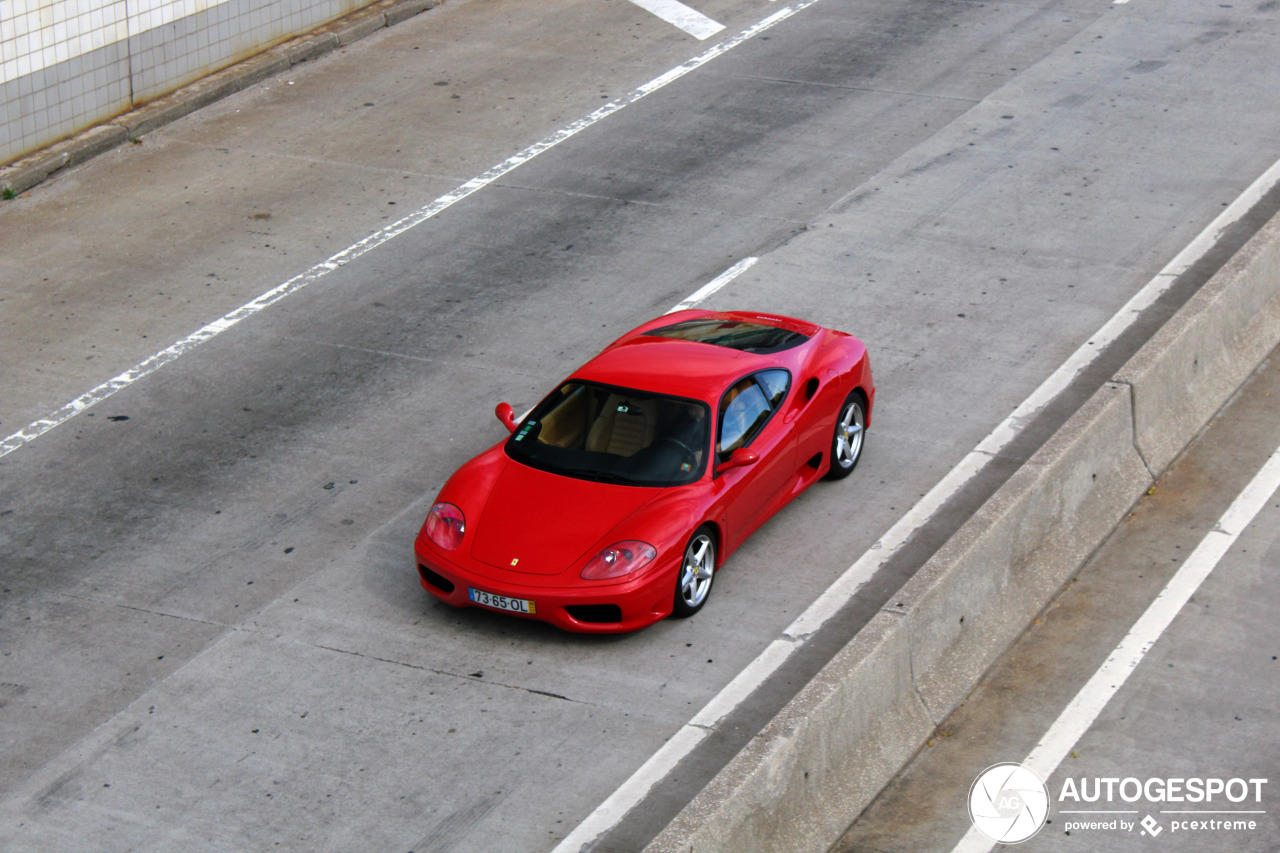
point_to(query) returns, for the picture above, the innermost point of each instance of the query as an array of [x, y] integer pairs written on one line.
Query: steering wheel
[[688, 457]]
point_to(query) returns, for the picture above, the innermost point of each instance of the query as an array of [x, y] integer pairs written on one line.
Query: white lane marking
[[674, 12], [1141, 301], [715, 284], [1080, 713], [835, 597], [839, 593], [217, 327]]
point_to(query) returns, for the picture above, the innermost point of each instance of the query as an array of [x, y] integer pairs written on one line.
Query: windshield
[[614, 435]]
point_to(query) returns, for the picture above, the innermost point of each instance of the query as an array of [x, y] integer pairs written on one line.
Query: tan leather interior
[[622, 433], [564, 425]]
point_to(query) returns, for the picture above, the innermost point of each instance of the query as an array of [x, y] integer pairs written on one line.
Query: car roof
[[684, 368]]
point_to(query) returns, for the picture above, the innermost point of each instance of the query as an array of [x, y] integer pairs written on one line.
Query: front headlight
[[445, 525], [620, 559]]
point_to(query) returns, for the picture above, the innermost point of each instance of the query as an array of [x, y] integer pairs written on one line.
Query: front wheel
[[697, 571], [848, 436]]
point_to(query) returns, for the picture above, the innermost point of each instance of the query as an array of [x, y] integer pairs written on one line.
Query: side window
[[746, 407], [775, 384]]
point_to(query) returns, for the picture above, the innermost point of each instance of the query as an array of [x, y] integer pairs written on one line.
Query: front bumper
[[598, 608]]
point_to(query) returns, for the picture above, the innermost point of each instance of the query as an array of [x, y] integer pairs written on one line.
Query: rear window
[[733, 334]]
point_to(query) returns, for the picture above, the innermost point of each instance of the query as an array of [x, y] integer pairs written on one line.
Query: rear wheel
[[697, 571], [848, 436]]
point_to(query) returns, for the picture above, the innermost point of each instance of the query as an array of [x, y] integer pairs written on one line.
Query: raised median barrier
[[800, 783]]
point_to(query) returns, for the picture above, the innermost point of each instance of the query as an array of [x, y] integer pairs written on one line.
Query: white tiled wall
[[36, 34], [68, 64]]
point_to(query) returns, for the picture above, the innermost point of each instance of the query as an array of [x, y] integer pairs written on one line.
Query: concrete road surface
[[1198, 706], [212, 630]]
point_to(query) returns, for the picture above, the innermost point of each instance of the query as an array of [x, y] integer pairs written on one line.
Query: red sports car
[[619, 496]]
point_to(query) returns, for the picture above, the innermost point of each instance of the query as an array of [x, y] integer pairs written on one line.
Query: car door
[[749, 416]]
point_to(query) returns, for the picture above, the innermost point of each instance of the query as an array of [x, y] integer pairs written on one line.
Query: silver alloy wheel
[[697, 571], [849, 432]]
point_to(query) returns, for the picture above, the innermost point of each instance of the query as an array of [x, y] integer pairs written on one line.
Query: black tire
[[696, 573], [848, 436]]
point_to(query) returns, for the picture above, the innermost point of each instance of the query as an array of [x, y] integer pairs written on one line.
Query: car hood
[[544, 524]]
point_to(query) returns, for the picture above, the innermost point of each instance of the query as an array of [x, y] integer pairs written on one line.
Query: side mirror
[[740, 458], [507, 415]]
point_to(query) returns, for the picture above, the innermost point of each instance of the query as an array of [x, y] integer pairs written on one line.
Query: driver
[[685, 424]]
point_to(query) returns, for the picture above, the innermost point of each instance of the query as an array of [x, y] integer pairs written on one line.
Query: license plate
[[502, 602]]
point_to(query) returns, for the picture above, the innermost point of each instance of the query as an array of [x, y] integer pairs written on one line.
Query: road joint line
[[974, 462], [1080, 713], [158, 360]]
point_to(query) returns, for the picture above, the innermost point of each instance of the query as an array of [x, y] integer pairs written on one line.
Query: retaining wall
[[66, 65], [800, 783]]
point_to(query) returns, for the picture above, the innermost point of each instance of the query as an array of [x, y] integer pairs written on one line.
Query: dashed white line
[[217, 327], [715, 284], [1080, 713], [676, 13], [693, 733]]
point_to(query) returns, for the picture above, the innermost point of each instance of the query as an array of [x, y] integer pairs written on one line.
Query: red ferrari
[[615, 501]]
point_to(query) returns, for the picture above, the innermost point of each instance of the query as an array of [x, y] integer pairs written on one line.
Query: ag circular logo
[[1008, 803]]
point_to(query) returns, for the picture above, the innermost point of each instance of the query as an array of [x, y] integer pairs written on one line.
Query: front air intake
[[438, 581], [597, 613]]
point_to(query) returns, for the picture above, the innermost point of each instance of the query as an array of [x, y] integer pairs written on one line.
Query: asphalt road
[[1199, 704], [211, 626]]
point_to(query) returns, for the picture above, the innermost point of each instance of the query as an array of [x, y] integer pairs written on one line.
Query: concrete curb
[[789, 787], [25, 172], [973, 598], [1197, 360], [802, 781]]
